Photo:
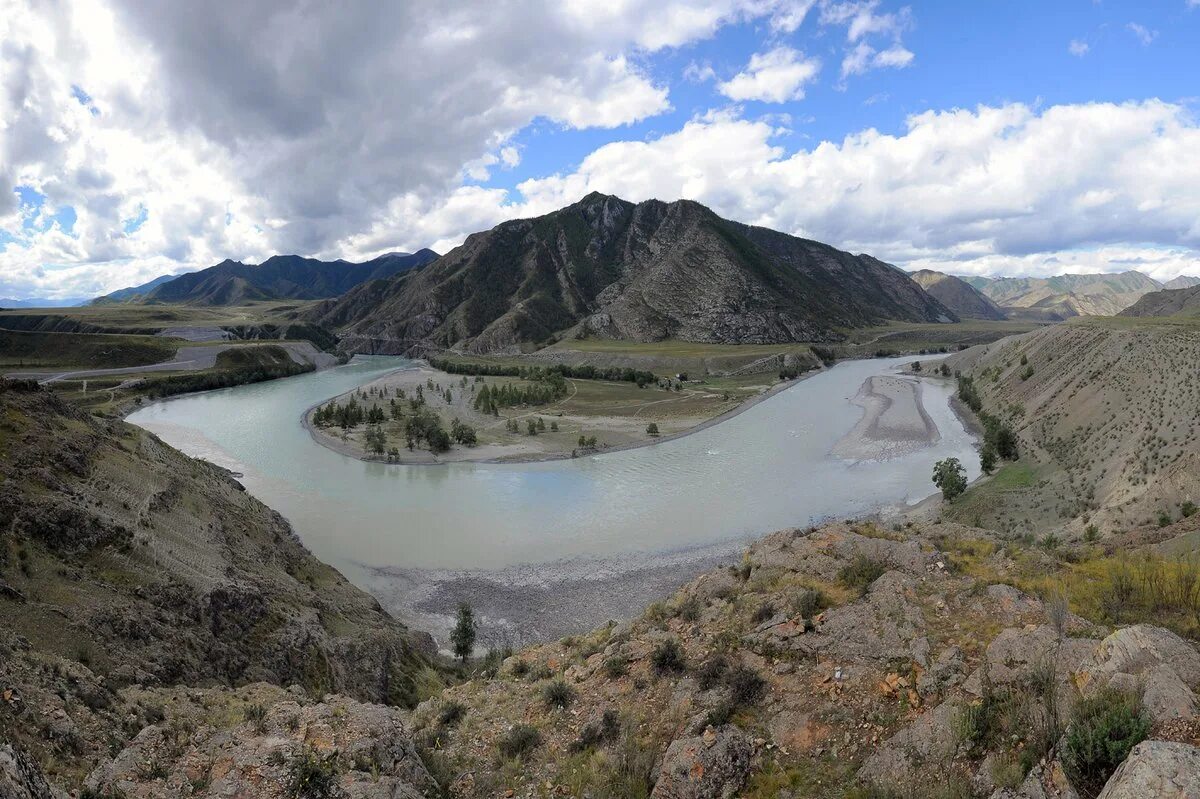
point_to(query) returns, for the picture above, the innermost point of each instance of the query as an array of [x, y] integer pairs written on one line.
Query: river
[[404, 531]]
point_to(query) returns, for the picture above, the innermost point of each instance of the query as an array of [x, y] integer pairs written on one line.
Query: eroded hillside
[[1108, 416], [123, 563]]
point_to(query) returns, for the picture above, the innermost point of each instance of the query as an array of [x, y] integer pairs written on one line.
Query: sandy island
[[894, 421], [676, 415]]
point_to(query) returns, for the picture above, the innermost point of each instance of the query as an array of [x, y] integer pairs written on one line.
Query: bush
[[313, 777], [861, 572], [746, 686], [763, 612], [615, 668], [452, 713], [558, 694], [668, 657], [710, 673], [689, 609], [597, 732], [808, 602], [1104, 727], [520, 668], [519, 741]]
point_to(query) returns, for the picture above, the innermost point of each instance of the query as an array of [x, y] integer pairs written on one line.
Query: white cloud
[[1009, 189], [776, 76], [1143, 34], [1078, 48], [863, 57], [219, 118], [863, 20]]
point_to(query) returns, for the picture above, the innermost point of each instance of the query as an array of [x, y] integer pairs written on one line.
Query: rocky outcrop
[[20, 777], [1154, 661], [713, 765], [273, 745], [1156, 770], [646, 272]]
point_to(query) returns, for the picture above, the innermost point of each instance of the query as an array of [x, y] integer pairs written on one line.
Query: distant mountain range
[[1053, 299], [958, 295], [614, 269], [281, 277], [38, 302]]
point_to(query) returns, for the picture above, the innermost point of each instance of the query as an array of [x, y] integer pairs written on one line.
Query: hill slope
[[121, 555], [1171, 302], [644, 272], [279, 277], [1108, 418], [1065, 296], [957, 295]]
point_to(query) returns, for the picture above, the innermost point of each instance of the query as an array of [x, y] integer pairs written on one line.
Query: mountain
[[957, 295], [39, 302], [281, 277], [1172, 302], [1182, 282], [646, 272], [1065, 296], [132, 292]]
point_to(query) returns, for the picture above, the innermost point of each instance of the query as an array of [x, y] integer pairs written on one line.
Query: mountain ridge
[[279, 277], [610, 268], [958, 295]]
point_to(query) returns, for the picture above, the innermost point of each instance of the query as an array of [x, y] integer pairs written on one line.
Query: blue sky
[[966, 54], [972, 137]]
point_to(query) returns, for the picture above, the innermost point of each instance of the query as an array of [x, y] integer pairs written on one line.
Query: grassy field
[[87, 351], [115, 318]]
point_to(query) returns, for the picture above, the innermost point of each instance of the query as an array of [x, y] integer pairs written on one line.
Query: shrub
[[594, 733], [519, 741], [763, 612], [1188, 509], [558, 694], [615, 668], [668, 657], [1104, 727], [861, 572], [808, 602], [710, 673], [520, 668], [689, 609], [746, 686], [452, 713], [313, 777]]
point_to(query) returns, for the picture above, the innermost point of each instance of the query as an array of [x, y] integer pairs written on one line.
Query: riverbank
[[615, 414], [894, 421]]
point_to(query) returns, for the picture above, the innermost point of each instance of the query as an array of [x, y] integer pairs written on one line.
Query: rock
[[20, 778], [930, 738], [1141, 648], [369, 749], [1015, 655], [713, 765], [945, 672], [883, 626], [1162, 665], [1156, 770]]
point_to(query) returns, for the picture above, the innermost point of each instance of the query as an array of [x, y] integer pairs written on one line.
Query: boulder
[[1156, 770], [713, 765], [1162, 665], [885, 625], [20, 777]]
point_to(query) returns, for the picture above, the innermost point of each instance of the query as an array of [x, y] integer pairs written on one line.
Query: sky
[[990, 137]]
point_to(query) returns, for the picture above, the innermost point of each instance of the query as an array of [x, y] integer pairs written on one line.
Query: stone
[[20, 778], [713, 765], [1157, 770]]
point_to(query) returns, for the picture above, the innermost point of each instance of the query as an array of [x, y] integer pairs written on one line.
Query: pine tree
[[463, 635]]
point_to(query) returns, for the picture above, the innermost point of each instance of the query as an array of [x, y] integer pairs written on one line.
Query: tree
[[652, 429], [987, 458], [463, 635], [554, 427], [949, 476]]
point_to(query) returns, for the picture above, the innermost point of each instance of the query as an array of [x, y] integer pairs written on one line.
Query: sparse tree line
[[542, 389], [585, 372]]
